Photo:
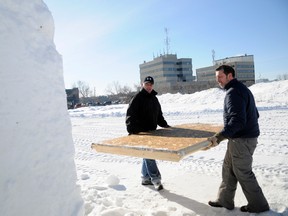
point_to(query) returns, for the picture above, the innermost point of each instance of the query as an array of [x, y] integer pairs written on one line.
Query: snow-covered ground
[[37, 168], [110, 184]]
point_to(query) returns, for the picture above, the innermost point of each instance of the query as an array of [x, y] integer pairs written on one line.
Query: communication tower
[[167, 41]]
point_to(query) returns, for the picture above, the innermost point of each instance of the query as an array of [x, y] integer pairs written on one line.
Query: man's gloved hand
[[167, 126], [215, 140]]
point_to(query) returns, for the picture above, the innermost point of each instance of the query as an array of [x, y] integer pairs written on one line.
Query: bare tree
[[84, 88], [126, 90], [113, 89], [116, 89], [282, 77]]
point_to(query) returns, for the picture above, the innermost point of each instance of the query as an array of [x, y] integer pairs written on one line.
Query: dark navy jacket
[[144, 113], [240, 112]]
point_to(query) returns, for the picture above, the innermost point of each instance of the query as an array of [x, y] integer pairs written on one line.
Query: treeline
[[282, 77], [115, 93]]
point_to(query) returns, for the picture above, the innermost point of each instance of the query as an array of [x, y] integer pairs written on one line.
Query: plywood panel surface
[[166, 144]]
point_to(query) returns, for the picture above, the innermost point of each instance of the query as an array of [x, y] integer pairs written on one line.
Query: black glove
[[167, 126]]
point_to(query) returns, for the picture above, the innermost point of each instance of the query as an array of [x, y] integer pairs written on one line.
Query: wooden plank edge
[[143, 152], [191, 149]]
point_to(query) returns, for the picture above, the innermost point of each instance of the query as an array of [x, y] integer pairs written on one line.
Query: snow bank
[[38, 174], [271, 95], [267, 96]]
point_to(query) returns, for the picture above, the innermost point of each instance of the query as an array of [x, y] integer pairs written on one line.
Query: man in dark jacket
[[242, 130], [144, 114]]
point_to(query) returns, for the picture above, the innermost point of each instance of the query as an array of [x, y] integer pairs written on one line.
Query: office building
[[170, 74], [243, 66]]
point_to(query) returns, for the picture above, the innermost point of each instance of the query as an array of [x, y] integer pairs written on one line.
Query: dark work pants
[[237, 167]]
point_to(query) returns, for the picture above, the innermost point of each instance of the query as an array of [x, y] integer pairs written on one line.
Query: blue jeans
[[150, 171]]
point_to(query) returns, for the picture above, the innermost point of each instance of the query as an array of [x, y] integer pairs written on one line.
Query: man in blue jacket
[[144, 114], [242, 130]]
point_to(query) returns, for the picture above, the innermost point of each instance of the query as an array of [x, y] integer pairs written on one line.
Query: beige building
[[243, 66], [170, 74]]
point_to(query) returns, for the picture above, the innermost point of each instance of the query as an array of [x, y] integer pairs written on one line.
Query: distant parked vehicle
[[70, 105], [78, 105], [107, 103]]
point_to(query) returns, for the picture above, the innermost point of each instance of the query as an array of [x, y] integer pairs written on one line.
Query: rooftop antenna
[[213, 56], [167, 41]]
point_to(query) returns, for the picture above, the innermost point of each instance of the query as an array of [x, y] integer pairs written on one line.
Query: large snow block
[[38, 172], [170, 144]]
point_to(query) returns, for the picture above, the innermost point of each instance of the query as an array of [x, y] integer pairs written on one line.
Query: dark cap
[[149, 79]]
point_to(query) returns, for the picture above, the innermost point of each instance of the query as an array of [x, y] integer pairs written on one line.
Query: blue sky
[[103, 42]]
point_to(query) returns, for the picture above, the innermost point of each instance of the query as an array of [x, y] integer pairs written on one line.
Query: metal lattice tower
[[213, 57], [167, 41]]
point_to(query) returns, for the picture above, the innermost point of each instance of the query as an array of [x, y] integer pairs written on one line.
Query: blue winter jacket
[[240, 112]]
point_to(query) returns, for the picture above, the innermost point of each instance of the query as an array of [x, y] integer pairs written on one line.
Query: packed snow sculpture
[[38, 174]]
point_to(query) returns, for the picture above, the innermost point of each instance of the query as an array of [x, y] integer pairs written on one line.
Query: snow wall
[[37, 169]]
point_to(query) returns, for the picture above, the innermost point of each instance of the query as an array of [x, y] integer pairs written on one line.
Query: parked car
[[78, 105]]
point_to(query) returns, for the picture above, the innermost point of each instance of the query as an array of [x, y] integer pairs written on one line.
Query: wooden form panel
[[170, 144]]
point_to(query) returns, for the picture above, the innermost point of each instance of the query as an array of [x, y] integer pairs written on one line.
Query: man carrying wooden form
[[144, 114]]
